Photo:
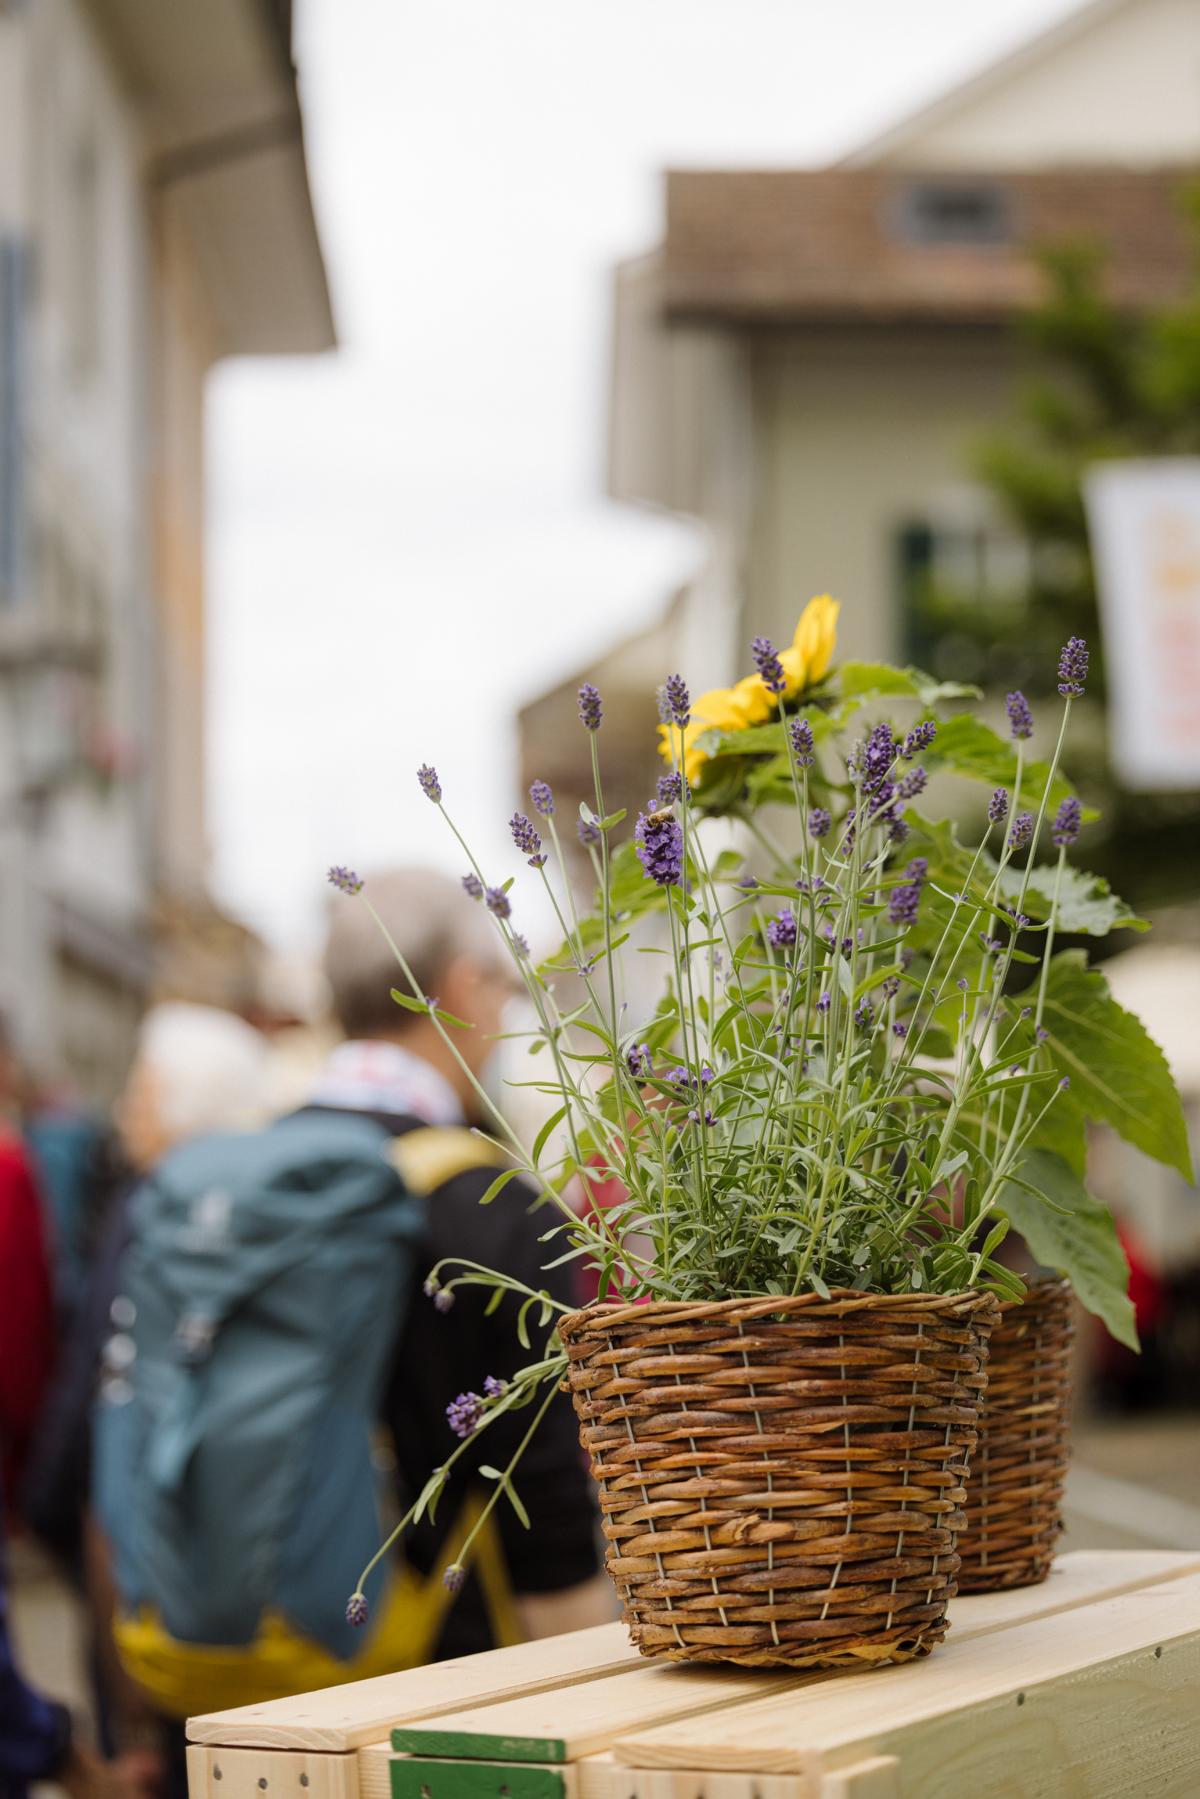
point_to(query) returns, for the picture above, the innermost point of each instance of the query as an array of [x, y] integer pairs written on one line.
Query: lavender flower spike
[[1073, 668], [431, 787], [345, 880], [465, 1414], [357, 1610], [802, 741], [542, 798], [819, 822], [472, 886], [590, 709], [1067, 822], [781, 931], [497, 902], [676, 700], [1020, 718], [659, 842], [454, 1577], [1022, 830], [587, 832], [670, 789], [918, 739], [527, 840], [905, 899], [768, 665], [998, 806]]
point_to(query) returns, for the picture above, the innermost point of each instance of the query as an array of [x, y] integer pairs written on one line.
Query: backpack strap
[[430, 1156]]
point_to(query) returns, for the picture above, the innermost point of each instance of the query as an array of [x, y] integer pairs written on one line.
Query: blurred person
[[37, 1738], [273, 1319], [196, 1070], [26, 1288]]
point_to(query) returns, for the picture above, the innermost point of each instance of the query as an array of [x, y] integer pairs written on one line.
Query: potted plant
[[824, 1108]]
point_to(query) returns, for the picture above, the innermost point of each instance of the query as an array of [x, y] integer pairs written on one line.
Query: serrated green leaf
[[861, 679], [1118, 1073], [1073, 1234], [968, 747], [1086, 902]]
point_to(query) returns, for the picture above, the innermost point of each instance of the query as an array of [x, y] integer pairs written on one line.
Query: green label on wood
[[418, 1778]]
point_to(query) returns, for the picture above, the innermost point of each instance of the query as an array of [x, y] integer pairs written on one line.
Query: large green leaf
[[1118, 1073], [966, 746], [1066, 1229], [1086, 902], [860, 680]]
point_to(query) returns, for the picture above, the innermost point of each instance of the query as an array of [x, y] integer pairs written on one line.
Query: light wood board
[[1070, 1673], [345, 1717]]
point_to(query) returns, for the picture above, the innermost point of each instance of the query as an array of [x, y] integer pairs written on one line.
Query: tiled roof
[[891, 246]]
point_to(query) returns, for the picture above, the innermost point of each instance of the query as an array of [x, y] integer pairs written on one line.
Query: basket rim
[[1040, 1289], [972, 1304]]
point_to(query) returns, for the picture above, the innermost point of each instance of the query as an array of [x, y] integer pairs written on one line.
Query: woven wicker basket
[[781, 1480], [1014, 1496]]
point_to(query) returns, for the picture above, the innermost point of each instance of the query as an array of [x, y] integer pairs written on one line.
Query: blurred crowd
[[224, 1371]]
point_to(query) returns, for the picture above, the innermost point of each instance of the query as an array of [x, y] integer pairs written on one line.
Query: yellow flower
[[815, 639], [735, 708]]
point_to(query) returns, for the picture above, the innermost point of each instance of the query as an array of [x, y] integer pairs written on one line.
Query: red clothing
[[26, 1307]]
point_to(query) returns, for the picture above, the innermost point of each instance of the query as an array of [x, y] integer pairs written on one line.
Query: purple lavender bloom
[[998, 806], [708, 1116], [587, 832], [430, 786], [905, 899], [638, 1061], [1020, 718], [1041, 1033], [781, 931], [864, 1015], [1073, 668], [357, 1610], [521, 946], [912, 784], [496, 901], [1064, 1083], [897, 830], [493, 1388], [472, 886], [802, 741], [748, 883], [876, 758], [345, 880], [768, 665], [918, 739], [899, 1029], [454, 1577], [890, 986], [443, 1300], [824, 1003], [819, 822], [659, 842], [542, 798], [670, 789], [1067, 822], [590, 709], [675, 703], [527, 840], [465, 1414], [1022, 830]]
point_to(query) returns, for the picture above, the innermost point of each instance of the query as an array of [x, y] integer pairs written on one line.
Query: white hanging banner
[[1145, 528]]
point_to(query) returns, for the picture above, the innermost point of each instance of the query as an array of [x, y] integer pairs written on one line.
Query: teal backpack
[[261, 1299]]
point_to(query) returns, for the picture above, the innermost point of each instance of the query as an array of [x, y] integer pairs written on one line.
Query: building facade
[[154, 217], [809, 362]]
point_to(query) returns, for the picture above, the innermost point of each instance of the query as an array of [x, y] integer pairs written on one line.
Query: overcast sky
[[410, 538]]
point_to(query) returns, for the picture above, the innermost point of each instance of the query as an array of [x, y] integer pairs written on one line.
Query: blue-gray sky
[[409, 538]]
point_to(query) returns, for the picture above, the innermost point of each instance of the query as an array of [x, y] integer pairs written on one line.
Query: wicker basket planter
[[781, 1480], [1014, 1497]]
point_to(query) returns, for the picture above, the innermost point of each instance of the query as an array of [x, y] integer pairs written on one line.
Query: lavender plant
[[825, 1075]]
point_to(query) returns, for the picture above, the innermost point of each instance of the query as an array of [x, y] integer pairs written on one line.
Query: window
[[952, 212]]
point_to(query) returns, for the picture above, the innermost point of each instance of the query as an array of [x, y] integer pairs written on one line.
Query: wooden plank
[[561, 1726], [1091, 1665], [876, 1778], [346, 1717], [269, 1774], [1075, 1580]]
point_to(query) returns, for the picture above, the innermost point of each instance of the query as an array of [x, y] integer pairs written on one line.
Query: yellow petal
[[816, 637]]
